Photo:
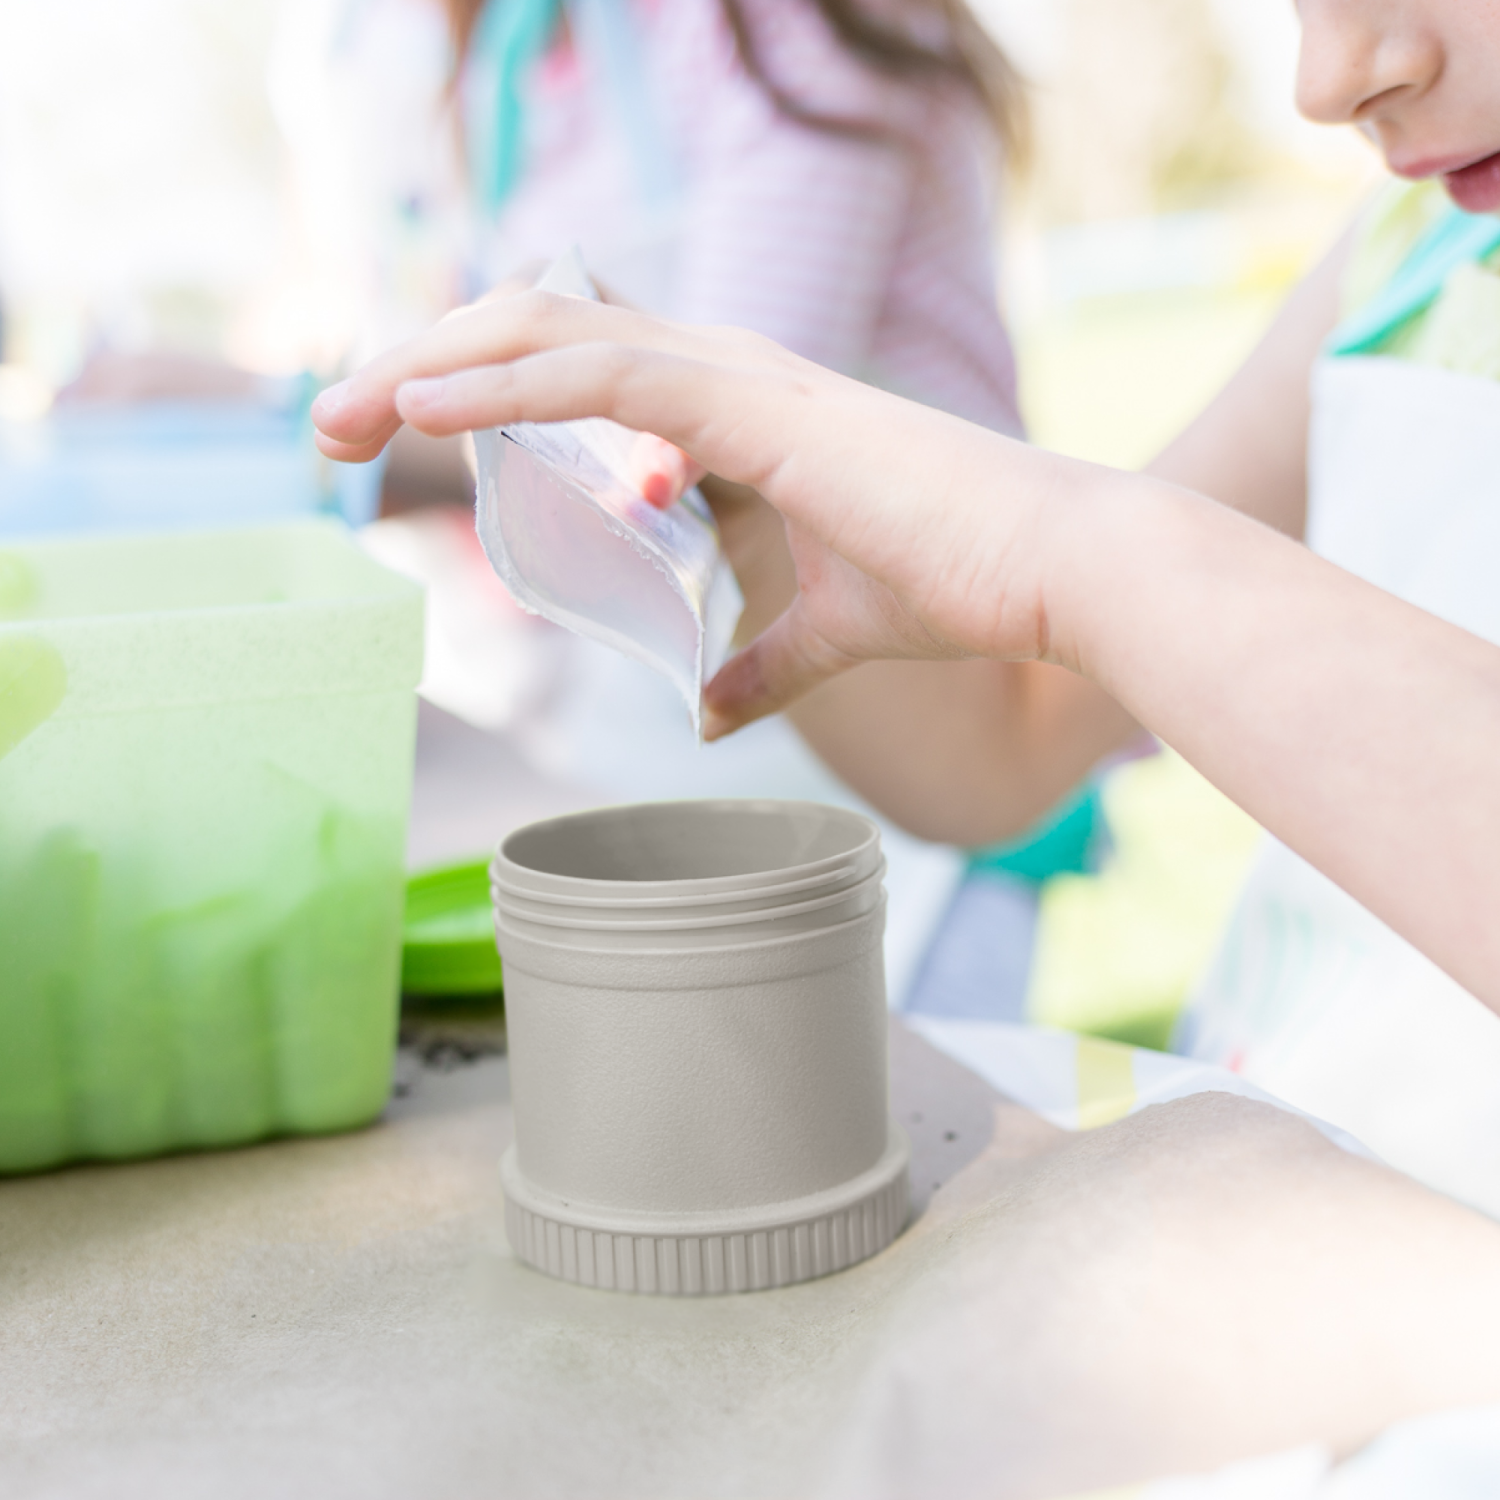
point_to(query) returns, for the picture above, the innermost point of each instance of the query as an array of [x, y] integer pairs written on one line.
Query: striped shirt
[[871, 258]]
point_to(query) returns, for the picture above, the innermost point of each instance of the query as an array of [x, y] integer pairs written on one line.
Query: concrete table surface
[[342, 1316]]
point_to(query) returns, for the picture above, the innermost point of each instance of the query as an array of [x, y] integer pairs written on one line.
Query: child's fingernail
[[660, 490], [331, 401], [424, 392]]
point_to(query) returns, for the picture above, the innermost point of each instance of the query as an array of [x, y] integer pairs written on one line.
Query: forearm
[[1360, 730], [970, 754]]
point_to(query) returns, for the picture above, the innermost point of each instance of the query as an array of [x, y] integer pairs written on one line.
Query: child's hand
[[660, 470], [914, 534]]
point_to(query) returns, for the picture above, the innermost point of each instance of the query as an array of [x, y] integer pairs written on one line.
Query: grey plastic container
[[695, 1001]]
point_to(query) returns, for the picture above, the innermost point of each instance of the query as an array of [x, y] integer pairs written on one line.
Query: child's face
[[1421, 78]]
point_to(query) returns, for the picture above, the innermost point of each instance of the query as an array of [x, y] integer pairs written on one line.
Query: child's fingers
[[789, 660], [584, 380], [361, 411], [445, 404], [356, 453], [681, 399]]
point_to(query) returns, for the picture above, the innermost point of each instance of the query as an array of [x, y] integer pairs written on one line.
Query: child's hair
[[971, 59]]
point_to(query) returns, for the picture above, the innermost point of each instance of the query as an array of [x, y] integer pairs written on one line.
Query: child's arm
[[1359, 729]]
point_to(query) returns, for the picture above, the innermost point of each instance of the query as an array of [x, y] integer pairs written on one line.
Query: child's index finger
[[348, 429], [359, 410]]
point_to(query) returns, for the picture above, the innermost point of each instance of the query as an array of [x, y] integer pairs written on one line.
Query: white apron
[[1311, 997]]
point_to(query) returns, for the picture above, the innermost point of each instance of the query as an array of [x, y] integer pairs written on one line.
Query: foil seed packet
[[571, 536]]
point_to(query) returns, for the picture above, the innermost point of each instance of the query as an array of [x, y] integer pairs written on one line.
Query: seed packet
[[574, 540]]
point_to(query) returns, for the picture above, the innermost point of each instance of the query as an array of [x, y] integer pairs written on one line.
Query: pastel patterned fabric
[[1311, 997]]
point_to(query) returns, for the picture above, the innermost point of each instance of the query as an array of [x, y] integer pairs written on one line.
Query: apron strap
[[1456, 238]]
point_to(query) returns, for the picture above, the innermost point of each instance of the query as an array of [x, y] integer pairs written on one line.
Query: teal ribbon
[[508, 39], [511, 35], [1065, 842], [1453, 240]]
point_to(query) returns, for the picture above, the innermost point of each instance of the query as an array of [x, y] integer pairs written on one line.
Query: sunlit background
[[147, 200], [1173, 196], [1176, 196]]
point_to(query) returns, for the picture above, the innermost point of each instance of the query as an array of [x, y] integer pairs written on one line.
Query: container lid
[[448, 940], [679, 875]]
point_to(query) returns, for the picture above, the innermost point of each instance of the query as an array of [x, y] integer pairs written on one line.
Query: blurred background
[[146, 200], [171, 180], [1176, 195]]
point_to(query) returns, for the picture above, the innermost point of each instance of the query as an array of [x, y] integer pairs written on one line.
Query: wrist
[[1109, 541]]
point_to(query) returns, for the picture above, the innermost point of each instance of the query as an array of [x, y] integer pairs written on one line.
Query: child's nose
[[1357, 59]]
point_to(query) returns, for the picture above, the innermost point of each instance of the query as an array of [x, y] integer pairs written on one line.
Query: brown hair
[[971, 59]]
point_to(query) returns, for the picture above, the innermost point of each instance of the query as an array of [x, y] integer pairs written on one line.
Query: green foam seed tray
[[448, 943], [206, 746]]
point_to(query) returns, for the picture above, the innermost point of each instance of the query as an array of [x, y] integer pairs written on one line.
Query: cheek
[[1471, 58]]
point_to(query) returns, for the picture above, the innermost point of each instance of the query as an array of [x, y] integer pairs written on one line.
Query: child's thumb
[[789, 659]]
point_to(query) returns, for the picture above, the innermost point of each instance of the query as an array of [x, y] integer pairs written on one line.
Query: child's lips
[[1476, 188]]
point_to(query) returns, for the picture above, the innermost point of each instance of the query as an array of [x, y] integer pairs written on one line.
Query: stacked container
[[205, 773], [695, 1004]]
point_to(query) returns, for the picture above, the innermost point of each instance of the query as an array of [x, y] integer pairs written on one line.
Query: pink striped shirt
[[874, 260], [869, 258]]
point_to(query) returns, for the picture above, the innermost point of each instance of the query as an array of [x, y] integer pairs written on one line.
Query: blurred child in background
[[819, 171]]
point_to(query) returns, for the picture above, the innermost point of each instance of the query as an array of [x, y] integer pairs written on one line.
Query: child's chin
[[1476, 189]]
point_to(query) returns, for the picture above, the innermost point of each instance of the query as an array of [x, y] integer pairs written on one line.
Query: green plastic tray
[[205, 769], [449, 939]]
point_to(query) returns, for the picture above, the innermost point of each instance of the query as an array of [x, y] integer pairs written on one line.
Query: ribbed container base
[[743, 1259]]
